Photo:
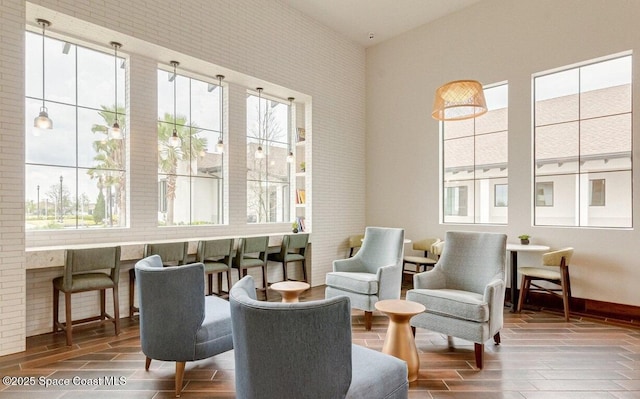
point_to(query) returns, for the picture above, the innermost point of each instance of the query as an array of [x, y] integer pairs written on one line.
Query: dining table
[[513, 249]]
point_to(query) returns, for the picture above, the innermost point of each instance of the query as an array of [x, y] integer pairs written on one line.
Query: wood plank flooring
[[541, 356]]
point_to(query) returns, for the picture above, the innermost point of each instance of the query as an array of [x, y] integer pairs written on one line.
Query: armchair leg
[[479, 349], [496, 338], [368, 318], [179, 377], [147, 363], [449, 341], [413, 331]]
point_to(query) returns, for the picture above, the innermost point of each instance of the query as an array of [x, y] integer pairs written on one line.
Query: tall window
[[475, 164], [268, 181], [190, 175], [583, 145], [75, 175]]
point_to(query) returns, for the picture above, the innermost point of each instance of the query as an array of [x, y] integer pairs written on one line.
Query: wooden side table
[[399, 341], [290, 290]]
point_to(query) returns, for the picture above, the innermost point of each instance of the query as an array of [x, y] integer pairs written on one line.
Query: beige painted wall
[[494, 41]]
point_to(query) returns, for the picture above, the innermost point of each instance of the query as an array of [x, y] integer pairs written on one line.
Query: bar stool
[[293, 249], [171, 253], [81, 274], [216, 256], [252, 252]]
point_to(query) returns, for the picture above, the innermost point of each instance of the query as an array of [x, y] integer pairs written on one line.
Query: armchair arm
[[494, 296], [432, 279], [348, 265], [389, 281]]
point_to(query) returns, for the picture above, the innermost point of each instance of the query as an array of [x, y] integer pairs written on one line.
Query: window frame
[[580, 180], [115, 175], [280, 190]]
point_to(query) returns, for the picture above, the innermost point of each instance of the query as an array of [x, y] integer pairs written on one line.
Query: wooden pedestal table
[[290, 290], [399, 341]]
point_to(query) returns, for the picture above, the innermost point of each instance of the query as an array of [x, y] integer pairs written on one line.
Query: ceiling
[[382, 19]]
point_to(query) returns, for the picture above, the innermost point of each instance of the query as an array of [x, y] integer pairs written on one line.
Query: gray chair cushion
[[362, 283], [376, 375], [453, 303], [215, 332]]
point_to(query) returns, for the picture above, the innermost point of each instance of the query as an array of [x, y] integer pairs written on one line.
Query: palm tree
[[170, 158], [110, 170]]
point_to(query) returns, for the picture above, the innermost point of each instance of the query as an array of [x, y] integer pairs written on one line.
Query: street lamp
[[61, 210]]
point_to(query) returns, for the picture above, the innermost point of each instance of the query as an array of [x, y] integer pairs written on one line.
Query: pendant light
[[115, 132], [290, 157], [220, 145], [259, 153], [458, 100], [174, 140], [42, 121]]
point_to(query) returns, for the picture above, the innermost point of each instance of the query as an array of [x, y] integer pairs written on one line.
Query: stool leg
[[56, 308], [228, 280], [264, 281], [68, 322], [132, 286], [116, 308], [284, 271], [304, 270], [103, 305], [219, 275]]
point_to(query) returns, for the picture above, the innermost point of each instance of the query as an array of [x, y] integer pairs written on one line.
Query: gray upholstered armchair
[[177, 322], [374, 273], [464, 292], [304, 350]]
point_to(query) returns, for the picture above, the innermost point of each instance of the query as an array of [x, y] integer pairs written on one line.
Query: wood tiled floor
[[541, 356]]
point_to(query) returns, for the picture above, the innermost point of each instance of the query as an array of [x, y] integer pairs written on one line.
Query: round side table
[[399, 341], [290, 290]]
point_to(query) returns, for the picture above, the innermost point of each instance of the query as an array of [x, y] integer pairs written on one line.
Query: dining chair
[[252, 252], [421, 263], [171, 253], [554, 269], [216, 255], [84, 270], [355, 242], [293, 249], [464, 293], [374, 273]]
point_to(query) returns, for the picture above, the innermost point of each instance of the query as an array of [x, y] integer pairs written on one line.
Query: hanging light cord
[[43, 27], [220, 77], [115, 74], [259, 115], [175, 77]]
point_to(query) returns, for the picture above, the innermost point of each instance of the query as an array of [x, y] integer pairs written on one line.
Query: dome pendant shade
[[115, 132], [458, 100], [42, 121], [174, 140]]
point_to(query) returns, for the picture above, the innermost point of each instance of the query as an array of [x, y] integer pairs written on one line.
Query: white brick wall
[[252, 42], [12, 257]]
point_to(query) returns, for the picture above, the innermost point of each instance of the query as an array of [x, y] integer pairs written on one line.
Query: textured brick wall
[[252, 42], [12, 257]]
